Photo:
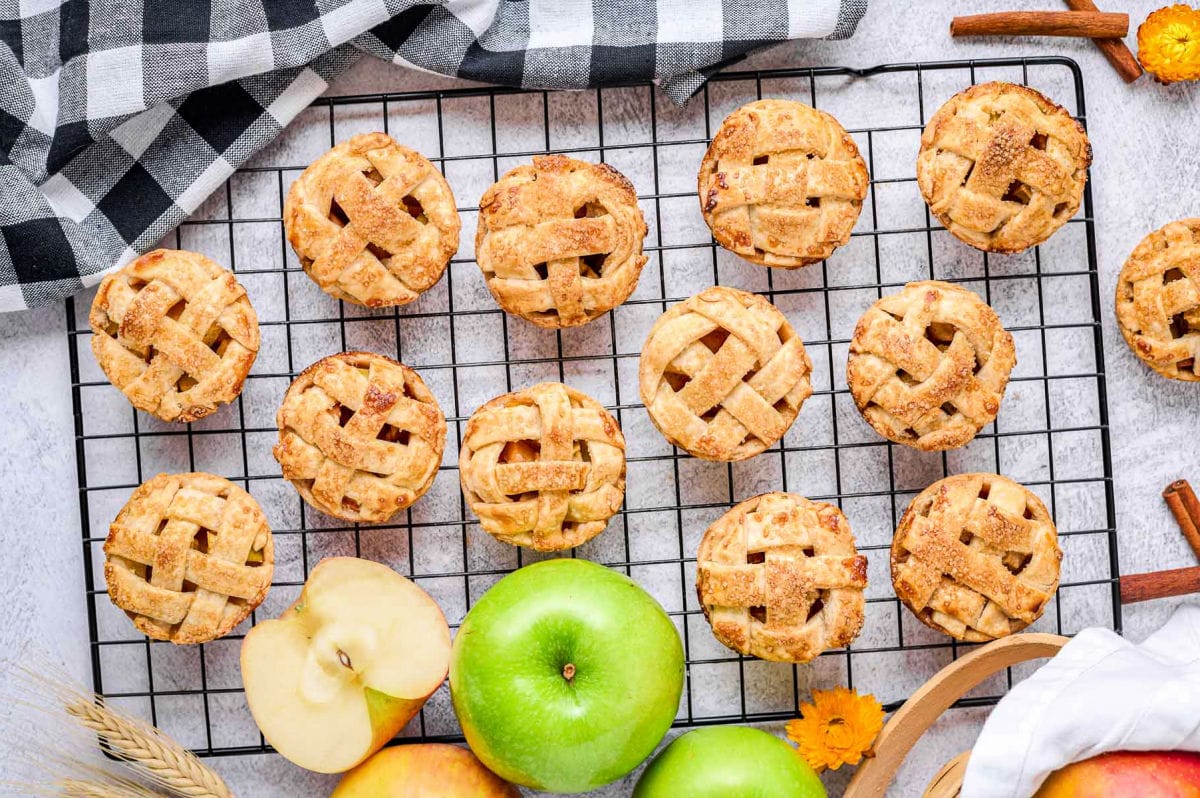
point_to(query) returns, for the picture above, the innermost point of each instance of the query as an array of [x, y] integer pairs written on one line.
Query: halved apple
[[346, 666]]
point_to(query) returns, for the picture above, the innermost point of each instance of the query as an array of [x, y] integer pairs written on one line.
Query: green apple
[[720, 761], [565, 676]]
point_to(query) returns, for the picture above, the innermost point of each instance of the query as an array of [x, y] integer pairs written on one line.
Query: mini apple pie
[[928, 366], [1002, 166], [1158, 300], [372, 222], [779, 578], [723, 374], [543, 467], [782, 184], [360, 436], [175, 333], [560, 241], [976, 556], [188, 557]]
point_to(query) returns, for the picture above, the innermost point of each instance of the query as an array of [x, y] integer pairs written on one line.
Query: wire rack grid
[[1052, 433]]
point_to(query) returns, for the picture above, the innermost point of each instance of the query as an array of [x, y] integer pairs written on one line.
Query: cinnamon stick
[[1181, 500], [1120, 56], [1160, 584], [1086, 24]]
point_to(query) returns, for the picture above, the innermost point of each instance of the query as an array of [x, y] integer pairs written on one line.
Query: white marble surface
[[1146, 173]]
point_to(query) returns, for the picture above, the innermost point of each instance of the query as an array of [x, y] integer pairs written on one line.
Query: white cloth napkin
[[1101, 693]]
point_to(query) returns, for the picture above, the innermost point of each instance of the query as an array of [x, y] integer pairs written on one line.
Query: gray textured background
[[1145, 174]]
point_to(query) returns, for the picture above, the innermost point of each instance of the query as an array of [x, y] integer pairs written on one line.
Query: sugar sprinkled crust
[[360, 436], [723, 374], [782, 184], [779, 578], [543, 467], [928, 366], [559, 241], [175, 333], [1002, 166], [188, 557], [976, 556], [1158, 300], [372, 222]]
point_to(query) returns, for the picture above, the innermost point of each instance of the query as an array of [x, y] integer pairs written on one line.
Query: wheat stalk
[[90, 782], [147, 749], [70, 764], [79, 788]]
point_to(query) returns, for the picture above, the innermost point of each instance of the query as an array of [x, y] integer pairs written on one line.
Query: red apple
[[433, 770], [1127, 774]]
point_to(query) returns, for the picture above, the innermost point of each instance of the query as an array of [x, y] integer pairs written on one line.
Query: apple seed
[[344, 658]]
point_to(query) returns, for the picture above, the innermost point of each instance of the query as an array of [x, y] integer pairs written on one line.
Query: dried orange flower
[[837, 728], [1169, 43]]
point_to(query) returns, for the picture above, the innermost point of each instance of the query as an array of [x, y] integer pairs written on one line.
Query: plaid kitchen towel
[[118, 117]]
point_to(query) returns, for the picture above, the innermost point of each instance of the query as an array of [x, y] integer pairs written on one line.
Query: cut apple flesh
[[347, 666]]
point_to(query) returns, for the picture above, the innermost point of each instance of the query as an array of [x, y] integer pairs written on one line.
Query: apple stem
[[344, 658], [569, 671]]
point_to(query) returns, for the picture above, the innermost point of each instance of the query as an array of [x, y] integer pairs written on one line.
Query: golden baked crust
[[372, 222], [1158, 300], [560, 241], [1002, 166], [360, 436], [782, 184], [928, 366], [543, 467], [175, 333], [976, 556], [188, 557], [779, 578], [723, 374]]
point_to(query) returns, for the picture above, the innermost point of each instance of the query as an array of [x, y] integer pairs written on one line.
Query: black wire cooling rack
[[1052, 433]]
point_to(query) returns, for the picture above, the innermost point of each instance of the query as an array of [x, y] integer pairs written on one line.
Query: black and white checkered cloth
[[118, 117]]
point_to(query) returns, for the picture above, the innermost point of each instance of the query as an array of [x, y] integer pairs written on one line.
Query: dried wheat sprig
[[60, 772], [147, 749], [79, 788], [88, 781]]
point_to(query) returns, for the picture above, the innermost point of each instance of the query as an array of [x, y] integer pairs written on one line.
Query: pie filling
[[590, 210], [522, 451], [337, 215], [393, 435], [379, 252], [373, 175], [940, 334], [413, 207], [715, 339], [593, 265], [676, 379], [1018, 192]]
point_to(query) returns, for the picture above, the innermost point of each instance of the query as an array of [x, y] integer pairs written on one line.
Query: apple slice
[[346, 666]]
